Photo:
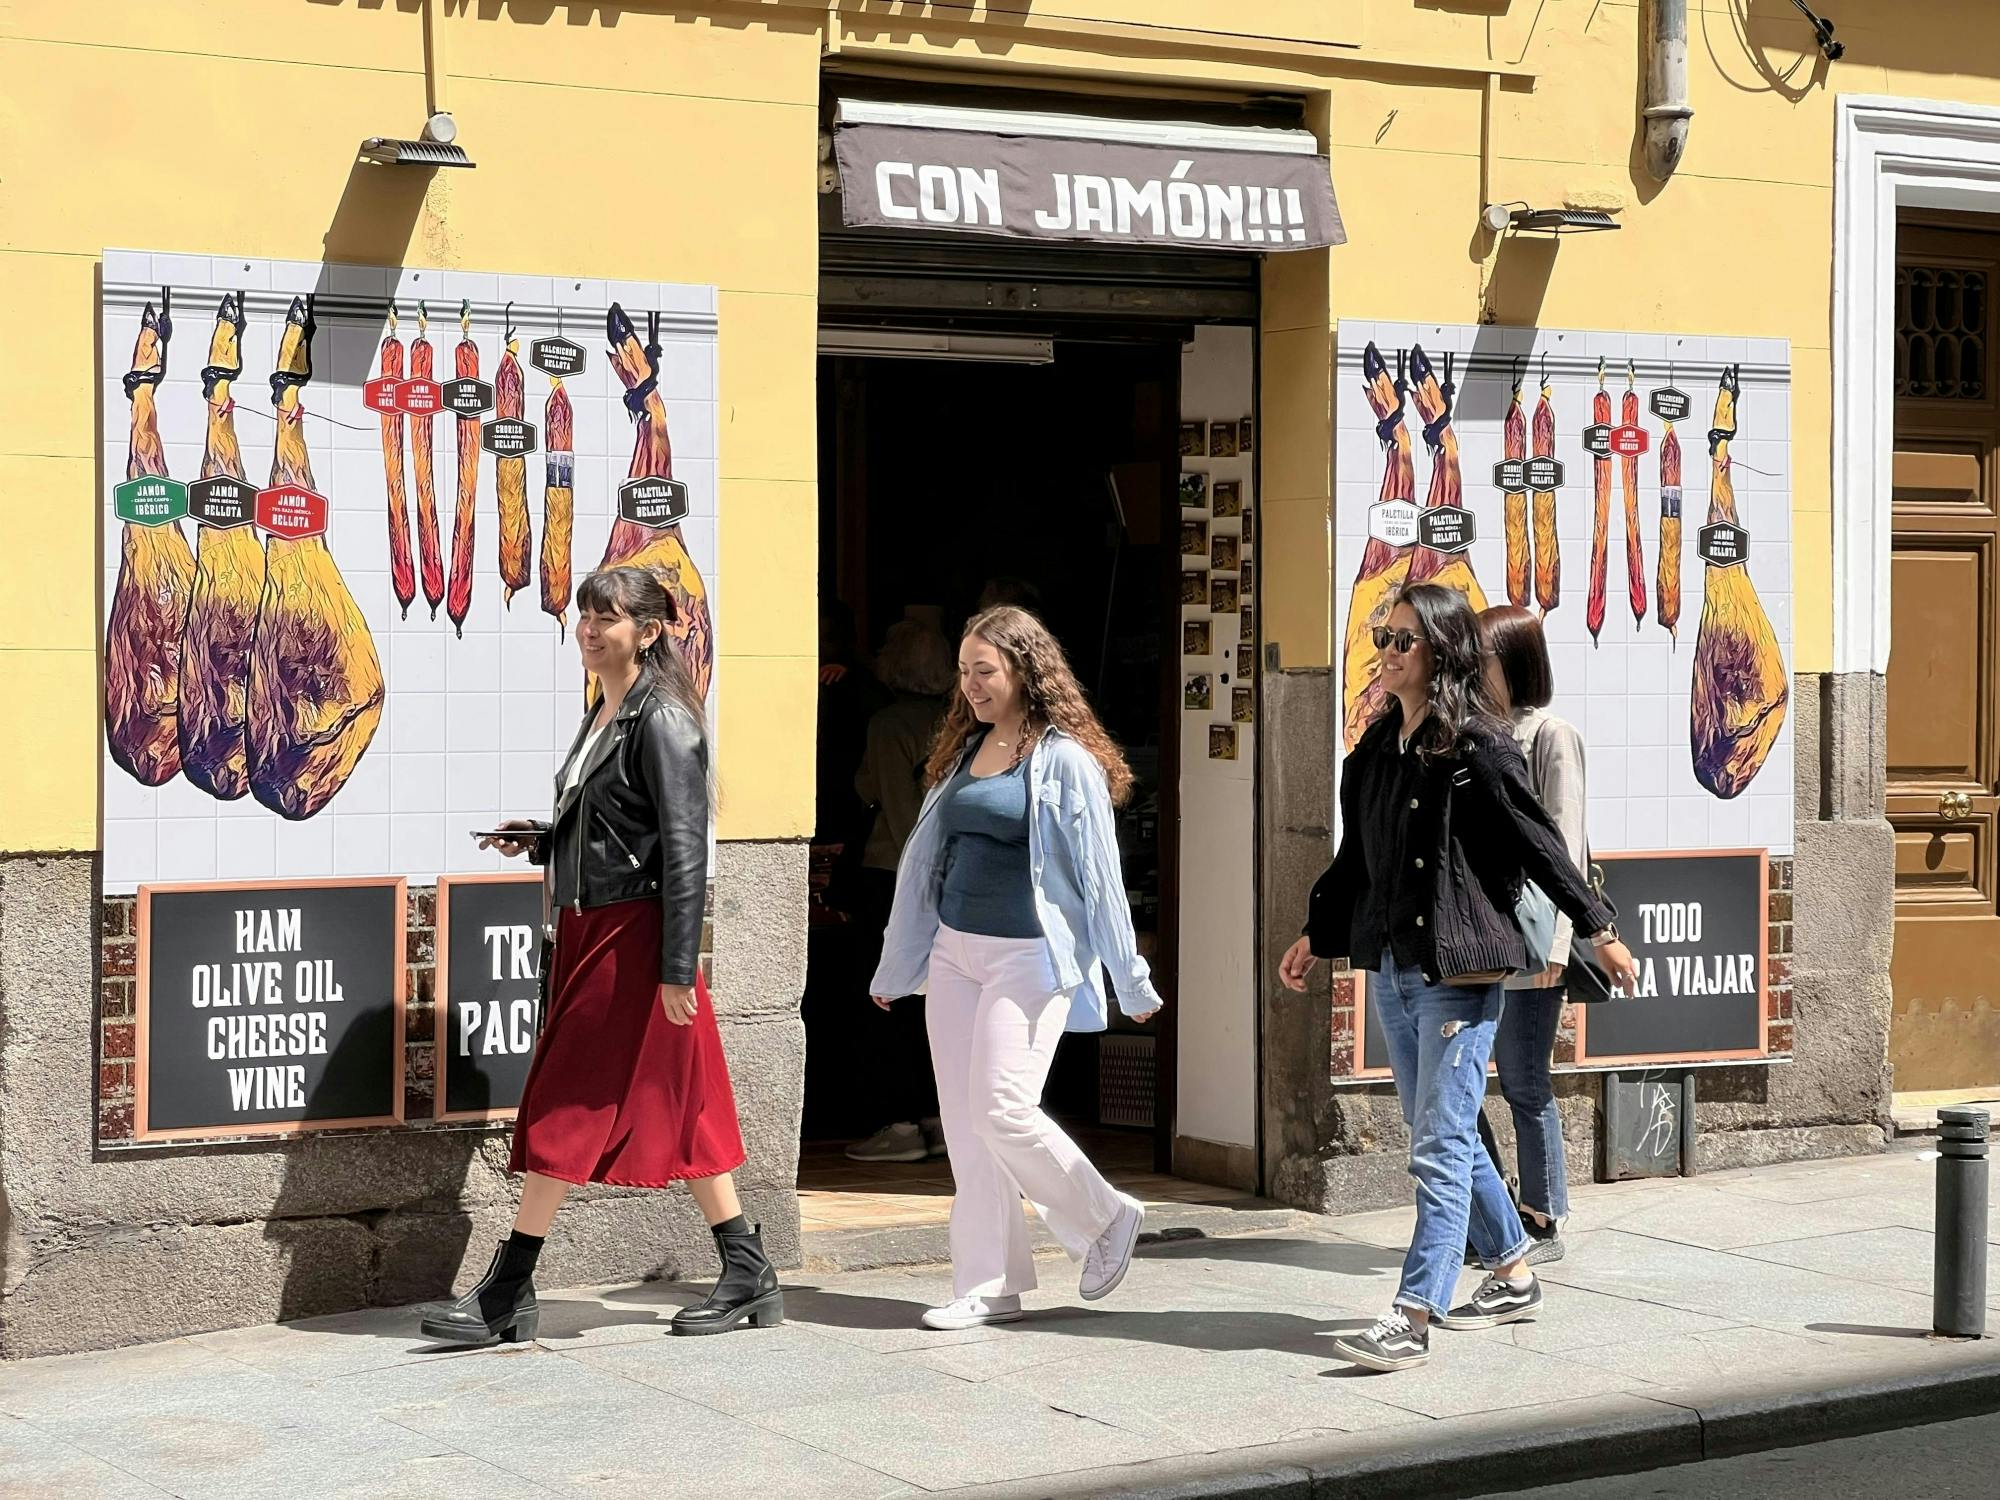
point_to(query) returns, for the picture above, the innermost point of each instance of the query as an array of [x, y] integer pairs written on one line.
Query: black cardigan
[[1479, 830]]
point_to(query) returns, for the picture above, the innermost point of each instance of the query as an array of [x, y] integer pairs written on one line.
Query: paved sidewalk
[[1688, 1312]]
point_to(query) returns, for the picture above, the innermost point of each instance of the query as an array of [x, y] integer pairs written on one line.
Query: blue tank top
[[989, 888]]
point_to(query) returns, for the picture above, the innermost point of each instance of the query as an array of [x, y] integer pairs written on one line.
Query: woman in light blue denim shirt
[[1010, 908]]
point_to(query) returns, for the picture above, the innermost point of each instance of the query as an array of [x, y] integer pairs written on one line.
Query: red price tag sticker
[[291, 510], [420, 398], [380, 395], [1629, 442]]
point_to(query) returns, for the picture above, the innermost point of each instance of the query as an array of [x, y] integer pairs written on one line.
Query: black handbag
[[1586, 980]]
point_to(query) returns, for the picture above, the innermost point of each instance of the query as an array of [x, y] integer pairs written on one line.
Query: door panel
[[1944, 705]]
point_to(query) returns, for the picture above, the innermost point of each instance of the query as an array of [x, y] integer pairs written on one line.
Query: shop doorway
[[1944, 694], [1044, 470]]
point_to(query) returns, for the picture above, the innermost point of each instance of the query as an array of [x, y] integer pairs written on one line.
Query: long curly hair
[[1461, 709], [1054, 699]]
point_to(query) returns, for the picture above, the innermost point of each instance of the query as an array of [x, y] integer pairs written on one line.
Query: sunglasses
[[1405, 641]]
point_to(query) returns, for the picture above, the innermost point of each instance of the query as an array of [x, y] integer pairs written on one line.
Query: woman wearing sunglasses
[[1439, 826]]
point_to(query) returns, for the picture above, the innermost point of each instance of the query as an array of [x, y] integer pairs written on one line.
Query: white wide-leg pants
[[995, 1018]]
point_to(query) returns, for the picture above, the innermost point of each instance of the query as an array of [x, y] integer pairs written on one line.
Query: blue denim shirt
[[1079, 889]]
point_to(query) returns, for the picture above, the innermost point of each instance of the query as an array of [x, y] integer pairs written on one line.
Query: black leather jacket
[[637, 824]]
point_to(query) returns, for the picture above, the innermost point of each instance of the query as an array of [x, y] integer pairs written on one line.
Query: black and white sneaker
[[1392, 1344], [1493, 1304], [1547, 1243]]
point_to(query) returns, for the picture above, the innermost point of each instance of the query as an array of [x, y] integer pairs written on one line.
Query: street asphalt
[[1692, 1319]]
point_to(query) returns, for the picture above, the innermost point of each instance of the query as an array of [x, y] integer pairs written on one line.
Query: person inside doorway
[[915, 664], [1010, 903], [1007, 589], [1439, 826]]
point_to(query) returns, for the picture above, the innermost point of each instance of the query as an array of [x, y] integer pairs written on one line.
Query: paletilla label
[[1545, 473], [1723, 544], [1669, 404], [557, 356], [1393, 522], [291, 510], [380, 395], [1629, 442], [653, 502], [507, 437], [419, 397], [150, 500], [468, 397], [222, 502], [1511, 475], [1445, 528]]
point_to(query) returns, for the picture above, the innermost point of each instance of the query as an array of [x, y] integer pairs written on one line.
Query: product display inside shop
[[1550, 455], [328, 662]]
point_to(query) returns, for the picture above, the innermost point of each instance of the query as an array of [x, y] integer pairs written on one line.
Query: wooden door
[[1944, 704]]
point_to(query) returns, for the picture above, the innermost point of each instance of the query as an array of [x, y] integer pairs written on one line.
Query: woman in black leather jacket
[[628, 1083]]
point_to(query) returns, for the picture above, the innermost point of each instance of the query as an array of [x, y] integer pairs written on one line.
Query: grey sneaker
[[899, 1142], [1110, 1257], [1548, 1245], [1493, 1304], [1392, 1344]]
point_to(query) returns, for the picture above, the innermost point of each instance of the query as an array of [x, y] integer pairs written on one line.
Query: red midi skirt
[[617, 1092]]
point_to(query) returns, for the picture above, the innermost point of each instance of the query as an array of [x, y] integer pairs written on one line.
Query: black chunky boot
[[747, 1292], [502, 1307]]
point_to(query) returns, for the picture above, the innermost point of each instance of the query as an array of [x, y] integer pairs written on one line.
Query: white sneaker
[[973, 1312], [899, 1142], [934, 1138], [1107, 1260]]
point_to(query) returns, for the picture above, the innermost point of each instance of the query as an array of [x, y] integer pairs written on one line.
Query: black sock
[[737, 1225], [519, 1254]]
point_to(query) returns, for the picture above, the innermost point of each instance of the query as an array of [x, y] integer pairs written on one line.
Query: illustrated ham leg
[[1635, 550], [402, 574], [423, 366], [228, 585], [511, 480], [1514, 446], [458, 588], [1667, 587], [1447, 487], [1600, 513], [149, 603], [1740, 689], [1548, 550], [315, 681], [558, 501], [662, 550], [1384, 567]]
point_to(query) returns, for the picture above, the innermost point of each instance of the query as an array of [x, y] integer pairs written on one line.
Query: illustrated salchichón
[[149, 603], [1447, 486], [1600, 513], [423, 458], [1628, 468], [1548, 549], [1740, 690], [458, 588], [558, 500], [1514, 447], [402, 572], [1384, 565], [692, 632], [1667, 585], [510, 479], [315, 680], [228, 587]]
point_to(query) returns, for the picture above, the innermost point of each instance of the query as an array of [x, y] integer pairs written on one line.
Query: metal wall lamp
[[1519, 218], [436, 148]]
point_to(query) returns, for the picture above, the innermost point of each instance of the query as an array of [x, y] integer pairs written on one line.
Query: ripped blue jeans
[[1440, 1037]]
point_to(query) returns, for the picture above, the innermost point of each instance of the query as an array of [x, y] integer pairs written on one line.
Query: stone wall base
[[100, 1247]]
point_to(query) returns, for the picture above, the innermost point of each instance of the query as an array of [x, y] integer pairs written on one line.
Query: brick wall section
[[118, 970], [1778, 987]]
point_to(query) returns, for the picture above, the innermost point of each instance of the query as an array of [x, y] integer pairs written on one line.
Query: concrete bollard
[[1958, 1271]]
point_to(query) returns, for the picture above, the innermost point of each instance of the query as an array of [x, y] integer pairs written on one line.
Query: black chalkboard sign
[[269, 1008], [1696, 923], [489, 937]]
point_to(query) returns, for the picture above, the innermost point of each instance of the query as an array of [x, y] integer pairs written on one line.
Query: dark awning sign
[[1048, 187]]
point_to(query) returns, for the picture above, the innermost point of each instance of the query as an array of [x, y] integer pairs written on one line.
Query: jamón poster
[[345, 510]]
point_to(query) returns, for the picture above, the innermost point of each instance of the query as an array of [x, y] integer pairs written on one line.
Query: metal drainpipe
[[1667, 109]]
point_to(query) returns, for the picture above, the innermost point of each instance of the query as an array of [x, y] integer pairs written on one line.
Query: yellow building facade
[[690, 151]]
